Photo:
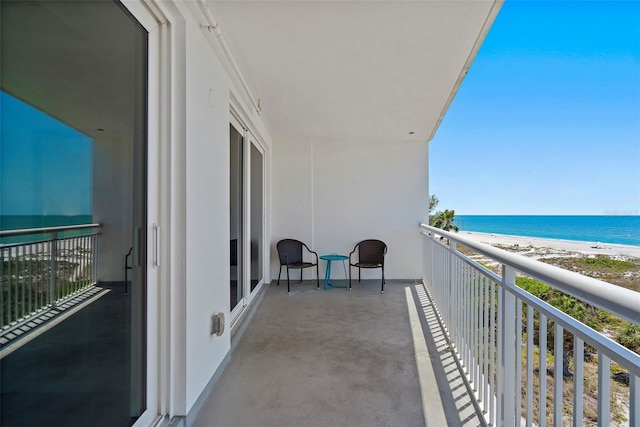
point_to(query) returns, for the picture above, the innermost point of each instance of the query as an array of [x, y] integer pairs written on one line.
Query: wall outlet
[[217, 324]]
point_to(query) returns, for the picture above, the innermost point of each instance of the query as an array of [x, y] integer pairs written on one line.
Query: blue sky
[[45, 165], [547, 120]]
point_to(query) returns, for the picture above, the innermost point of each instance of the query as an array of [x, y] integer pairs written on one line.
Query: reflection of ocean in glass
[[21, 222], [617, 229]]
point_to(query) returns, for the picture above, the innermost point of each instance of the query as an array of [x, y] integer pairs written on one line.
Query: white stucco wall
[[334, 194], [207, 210]]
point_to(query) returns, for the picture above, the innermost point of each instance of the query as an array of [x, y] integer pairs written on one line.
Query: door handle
[[156, 245]]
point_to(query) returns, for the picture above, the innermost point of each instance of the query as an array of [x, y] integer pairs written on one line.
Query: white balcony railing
[[500, 335], [45, 267]]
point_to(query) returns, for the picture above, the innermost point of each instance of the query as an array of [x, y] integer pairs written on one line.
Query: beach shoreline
[[576, 246]]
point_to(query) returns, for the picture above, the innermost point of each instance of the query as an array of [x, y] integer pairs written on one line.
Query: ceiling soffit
[[353, 70]]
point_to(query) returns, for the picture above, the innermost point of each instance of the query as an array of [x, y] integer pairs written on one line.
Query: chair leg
[[288, 285], [359, 270], [349, 277], [301, 270], [279, 273], [318, 276], [382, 291]]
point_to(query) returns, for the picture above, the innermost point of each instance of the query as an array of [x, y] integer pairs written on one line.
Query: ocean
[[616, 229], [20, 222]]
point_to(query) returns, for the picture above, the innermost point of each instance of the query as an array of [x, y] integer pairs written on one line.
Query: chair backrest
[[289, 250], [372, 251]]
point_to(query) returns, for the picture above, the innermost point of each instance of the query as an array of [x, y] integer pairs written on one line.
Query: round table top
[[334, 257]]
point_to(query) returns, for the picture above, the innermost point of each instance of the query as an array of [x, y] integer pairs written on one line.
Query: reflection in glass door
[[257, 215], [73, 151], [236, 143]]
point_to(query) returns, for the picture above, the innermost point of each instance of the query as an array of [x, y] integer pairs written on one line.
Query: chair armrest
[[310, 251], [351, 253]]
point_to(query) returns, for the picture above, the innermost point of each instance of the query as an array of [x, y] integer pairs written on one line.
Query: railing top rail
[[27, 231], [614, 299]]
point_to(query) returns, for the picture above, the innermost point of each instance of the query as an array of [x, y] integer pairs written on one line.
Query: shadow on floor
[[75, 374], [325, 358]]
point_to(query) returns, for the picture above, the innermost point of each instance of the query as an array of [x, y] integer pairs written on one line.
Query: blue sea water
[[22, 222], [616, 229]]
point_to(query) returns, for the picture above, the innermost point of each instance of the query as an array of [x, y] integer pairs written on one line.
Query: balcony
[[453, 350], [462, 347]]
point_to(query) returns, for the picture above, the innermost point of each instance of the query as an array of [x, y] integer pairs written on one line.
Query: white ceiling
[[353, 70]]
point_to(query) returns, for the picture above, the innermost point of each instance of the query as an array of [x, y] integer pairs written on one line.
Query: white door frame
[[249, 140], [242, 274], [166, 180]]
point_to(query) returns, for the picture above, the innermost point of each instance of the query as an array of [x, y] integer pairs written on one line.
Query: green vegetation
[[629, 336], [604, 263], [441, 219]]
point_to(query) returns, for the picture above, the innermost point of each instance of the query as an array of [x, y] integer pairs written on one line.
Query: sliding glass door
[[73, 151], [257, 216], [236, 217], [247, 213]]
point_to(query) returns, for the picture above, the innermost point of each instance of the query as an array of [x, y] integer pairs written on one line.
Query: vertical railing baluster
[[465, 316], [454, 290], [20, 294], [96, 260], [492, 349], [475, 329], [10, 287], [542, 371], [2, 288], [634, 400], [84, 254], [52, 267], [604, 389], [558, 351], [487, 396], [530, 334], [467, 325], [518, 374], [481, 349], [507, 352], [578, 381]]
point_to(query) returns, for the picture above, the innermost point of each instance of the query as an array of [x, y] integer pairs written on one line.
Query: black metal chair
[[371, 254], [290, 254]]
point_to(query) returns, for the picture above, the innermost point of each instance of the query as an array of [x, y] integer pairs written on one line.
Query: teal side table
[[327, 274]]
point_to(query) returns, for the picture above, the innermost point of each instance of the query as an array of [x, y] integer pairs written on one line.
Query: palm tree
[[444, 220]]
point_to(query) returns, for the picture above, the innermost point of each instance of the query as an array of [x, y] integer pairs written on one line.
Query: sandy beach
[[547, 245]]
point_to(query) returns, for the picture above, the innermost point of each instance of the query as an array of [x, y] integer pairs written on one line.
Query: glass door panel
[[73, 151], [257, 215], [236, 143]]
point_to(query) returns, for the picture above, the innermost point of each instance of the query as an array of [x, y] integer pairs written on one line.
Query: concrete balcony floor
[[339, 358]]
